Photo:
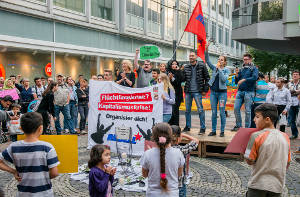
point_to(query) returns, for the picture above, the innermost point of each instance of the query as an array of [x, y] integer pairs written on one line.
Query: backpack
[[33, 106]]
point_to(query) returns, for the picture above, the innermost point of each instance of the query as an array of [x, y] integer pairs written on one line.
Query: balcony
[[263, 25], [257, 12]]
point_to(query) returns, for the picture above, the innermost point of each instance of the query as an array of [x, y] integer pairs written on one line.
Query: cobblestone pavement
[[212, 177]]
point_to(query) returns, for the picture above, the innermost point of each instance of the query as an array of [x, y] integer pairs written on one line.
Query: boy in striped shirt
[[268, 151], [35, 161]]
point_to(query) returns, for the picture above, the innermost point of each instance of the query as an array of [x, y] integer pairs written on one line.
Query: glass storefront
[[31, 64]]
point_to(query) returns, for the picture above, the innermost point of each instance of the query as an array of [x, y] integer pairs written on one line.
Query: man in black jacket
[[196, 79]]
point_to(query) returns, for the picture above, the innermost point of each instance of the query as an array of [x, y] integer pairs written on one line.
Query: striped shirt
[[270, 150], [32, 161], [261, 91]]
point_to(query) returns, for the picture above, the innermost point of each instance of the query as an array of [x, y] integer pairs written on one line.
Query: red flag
[[201, 48], [196, 26]]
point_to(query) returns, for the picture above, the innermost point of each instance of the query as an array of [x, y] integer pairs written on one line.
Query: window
[[154, 16], [221, 9], [237, 45], [226, 36], [183, 18], [204, 3], [220, 34], [75, 5], [213, 31], [237, 4], [206, 25], [135, 13], [232, 44], [169, 18], [102, 9], [247, 2], [242, 48], [227, 11], [213, 4]]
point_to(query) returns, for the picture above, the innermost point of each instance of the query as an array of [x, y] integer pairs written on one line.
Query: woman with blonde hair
[[168, 97], [163, 68], [126, 78]]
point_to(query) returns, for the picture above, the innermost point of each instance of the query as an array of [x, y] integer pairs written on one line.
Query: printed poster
[[118, 108]]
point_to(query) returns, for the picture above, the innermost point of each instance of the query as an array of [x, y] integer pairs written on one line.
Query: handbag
[[283, 120]]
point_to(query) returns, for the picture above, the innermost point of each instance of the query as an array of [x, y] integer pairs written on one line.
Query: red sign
[[48, 70]]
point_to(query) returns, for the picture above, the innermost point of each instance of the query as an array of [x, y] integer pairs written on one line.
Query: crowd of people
[[72, 98], [266, 103]]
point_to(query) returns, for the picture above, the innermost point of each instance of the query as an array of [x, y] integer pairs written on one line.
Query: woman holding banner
[[8, 85], [218, 89]]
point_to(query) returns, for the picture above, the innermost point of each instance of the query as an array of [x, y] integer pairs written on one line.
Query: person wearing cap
[[61, 104], [261, 91]]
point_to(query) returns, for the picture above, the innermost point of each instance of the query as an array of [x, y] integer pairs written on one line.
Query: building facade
[[89, 36], [271, 25]]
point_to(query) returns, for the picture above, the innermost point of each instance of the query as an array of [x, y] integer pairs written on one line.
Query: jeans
[[83, 111], [293, 115], [188, 105], [182, 191], [254, 105], [67, 117], [73, 113], [246, 98], [215, 98], [166, 117]]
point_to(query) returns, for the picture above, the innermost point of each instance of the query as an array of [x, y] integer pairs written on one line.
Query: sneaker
[[186, 129], [235, 128], [83, 132], [201, 132], [222, 134], [293, 137], [212, 134]]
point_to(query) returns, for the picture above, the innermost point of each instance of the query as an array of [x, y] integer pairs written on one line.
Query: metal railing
[[257, 12]]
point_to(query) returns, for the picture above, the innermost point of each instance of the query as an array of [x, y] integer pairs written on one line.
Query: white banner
[[123, 109]]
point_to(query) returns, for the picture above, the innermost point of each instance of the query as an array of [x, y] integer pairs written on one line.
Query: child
[[35, 161], [101, 176], [186, 149], [168, 97], [162, 164], [268, 151], [14, 125], [155, 74]]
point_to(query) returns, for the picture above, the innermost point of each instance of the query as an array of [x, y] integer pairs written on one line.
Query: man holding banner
[[144, 73]]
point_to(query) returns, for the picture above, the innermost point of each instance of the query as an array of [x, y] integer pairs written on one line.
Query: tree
[[268, 61]]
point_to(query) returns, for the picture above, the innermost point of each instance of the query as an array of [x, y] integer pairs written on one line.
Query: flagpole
[[177, 45]]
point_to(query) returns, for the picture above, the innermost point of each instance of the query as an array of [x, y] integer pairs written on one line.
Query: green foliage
[[268, 61], [271, 10]]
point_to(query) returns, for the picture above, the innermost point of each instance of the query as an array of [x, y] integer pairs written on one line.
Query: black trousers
[[46, 121], [175, 113], [254, 105], [261, 193], [280, 109]]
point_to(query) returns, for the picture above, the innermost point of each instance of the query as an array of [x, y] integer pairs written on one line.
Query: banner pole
[[177, 45]]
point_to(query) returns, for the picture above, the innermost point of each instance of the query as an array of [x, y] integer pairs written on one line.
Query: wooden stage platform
[[213, 145]]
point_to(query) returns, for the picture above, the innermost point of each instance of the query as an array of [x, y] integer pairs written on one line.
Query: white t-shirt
[[151, 161]]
